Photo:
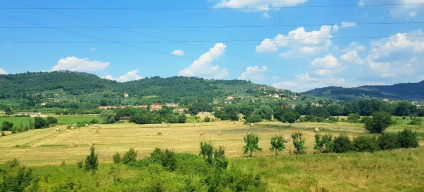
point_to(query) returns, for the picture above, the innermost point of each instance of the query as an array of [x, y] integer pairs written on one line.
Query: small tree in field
[[379, 122], [91, 162], [206, 150], [130, 156], [299, 142], [277, 144], [251, 141], [6, 126]]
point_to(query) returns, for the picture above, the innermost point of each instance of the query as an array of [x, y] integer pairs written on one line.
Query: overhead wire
[[186, 42]]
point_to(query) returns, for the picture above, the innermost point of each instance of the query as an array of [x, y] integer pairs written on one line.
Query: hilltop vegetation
[[74, 90], [402, 91]]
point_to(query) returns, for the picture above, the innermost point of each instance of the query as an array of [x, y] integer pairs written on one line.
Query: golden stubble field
[[47, 146]]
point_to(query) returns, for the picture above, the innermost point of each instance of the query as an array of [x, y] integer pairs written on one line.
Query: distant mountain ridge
[[401, 91]]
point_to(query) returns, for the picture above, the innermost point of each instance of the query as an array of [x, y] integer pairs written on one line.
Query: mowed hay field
[[47, 146], [396, 170]]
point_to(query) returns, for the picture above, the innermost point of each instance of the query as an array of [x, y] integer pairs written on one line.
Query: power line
[[208, 27], [201, 41], [209, 8]]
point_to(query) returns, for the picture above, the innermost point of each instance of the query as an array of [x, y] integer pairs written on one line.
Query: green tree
[[378, 122], [253, 118], [342, 144], [7, 126], [130, 156], [251, 141], [91, 162], [353, 117], [108, 116], [117, 158], [265, 111], [299, 142], [8, 111], [206, 150], [407, 139], [277, 144], [323, 144], [40, 123], [51, 120], [182, 118]]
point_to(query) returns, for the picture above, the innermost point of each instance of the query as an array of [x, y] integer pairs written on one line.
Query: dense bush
[[130, 156], [91, 162], [407, 139], [17, 178], [324, 143], [207, 119], [353, 117], [7, 126], [108, 116], [166, 158], [388, 141], [117, 158], [415, 121], [365, 143], [253, 118], [342, 144], [299, 142]]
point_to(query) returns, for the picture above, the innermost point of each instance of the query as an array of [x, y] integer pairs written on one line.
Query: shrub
[[253, 118], [324, 143], [17, 178], [277, 144], [415, 121], [108, 116], [80, 164], [91, 162], [207, 119], [407, 139], [51, 120], [378, 122], [182, 118], [220, 162], [40, 123], [94, 121], [166, 158], [7, 126], [365, 143], [251, 141], [342, 144], [117, 158], [299, 142], [388, 141], [353, 117], [130, 156], [206, 150]]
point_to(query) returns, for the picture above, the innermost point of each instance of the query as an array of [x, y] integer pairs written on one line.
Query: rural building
[[180, 110], [155, 107], [171, 104], [107, 107], [142, 106], [126, 95], [125, 118]]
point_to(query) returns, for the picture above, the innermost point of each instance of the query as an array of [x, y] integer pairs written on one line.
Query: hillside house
[[155, 107], [126, 95]]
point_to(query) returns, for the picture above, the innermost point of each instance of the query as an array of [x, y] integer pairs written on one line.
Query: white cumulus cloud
[[327, 65], [77, 64], [398, 54], [130, 76], [299, 42], [202, 67], [3, 72], [178, 52], [258, 5], [254, 74]]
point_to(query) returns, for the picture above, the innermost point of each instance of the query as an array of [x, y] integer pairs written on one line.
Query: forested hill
[[65, 86], [402, 91]]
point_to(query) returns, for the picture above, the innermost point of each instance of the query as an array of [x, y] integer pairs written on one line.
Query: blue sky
[[291, 44]]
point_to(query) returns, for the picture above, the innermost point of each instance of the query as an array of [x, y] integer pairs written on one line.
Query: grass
[[46, 149]]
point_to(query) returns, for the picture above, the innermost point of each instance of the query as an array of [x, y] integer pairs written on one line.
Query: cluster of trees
[[35, 123], [365, 143], [143, 116], [341, 144]]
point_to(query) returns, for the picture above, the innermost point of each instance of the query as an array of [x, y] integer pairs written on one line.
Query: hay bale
[[235, 122], [251, 124], [58, 129], [95, 125], [286, 139], [202, 133], [159, 133], [316, 129], [73, 144], [220, 133], [97, 131], [86, 125], [72, 128], [163, 123]]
